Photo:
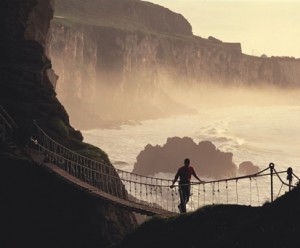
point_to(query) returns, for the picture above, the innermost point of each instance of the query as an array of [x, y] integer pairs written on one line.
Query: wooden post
[[289, 176], [271, 166]]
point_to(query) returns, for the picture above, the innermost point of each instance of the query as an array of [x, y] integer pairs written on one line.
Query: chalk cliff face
[[41, 209], [119, 66], [110, 73]]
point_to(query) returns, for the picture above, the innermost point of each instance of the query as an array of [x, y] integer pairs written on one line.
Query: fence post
[[289, 176], [271, 166]]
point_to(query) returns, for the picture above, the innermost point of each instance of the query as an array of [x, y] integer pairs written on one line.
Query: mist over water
[[263, 128], [256, 123], [256, 133]]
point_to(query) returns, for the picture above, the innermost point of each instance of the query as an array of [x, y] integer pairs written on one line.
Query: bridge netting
[[7, 125], [155, 192]]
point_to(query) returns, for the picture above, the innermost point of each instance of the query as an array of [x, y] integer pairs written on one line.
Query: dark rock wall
[[26, 91], [38, 209], [272, 225]]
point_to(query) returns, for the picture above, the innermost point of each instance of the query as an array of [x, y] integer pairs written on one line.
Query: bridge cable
[[236, 190]]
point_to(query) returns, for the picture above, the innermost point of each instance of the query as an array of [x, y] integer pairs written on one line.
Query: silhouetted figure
[[184, 174]]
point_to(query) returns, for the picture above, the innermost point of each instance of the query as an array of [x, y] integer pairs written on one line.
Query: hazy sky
[[261, 26]]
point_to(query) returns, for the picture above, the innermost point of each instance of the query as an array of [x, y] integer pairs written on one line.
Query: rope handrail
[[72, 165], [118, 193], [96, 161], [93, 170], [296, 176], [284, 183], [5, 121], [136, 188], [137, 205], [7, 127], [7, 117], [156, 178], [258, 174]]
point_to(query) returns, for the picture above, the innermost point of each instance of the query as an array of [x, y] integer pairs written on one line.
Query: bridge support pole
[[271, 166], [289, 177]]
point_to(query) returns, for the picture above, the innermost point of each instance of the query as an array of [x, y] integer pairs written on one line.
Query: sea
[[260, 134]]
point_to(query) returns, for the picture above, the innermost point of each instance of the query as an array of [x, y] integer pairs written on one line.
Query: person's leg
[[180, 206], [185, 196], [188, 193]]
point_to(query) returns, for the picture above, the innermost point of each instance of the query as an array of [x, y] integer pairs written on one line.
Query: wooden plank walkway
[[128, 205]]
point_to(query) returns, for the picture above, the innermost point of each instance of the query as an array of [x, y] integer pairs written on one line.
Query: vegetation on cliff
[[130, 15], [272, 225]]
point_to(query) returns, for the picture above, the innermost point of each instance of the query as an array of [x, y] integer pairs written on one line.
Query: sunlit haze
[[262, 27], [111, 78]]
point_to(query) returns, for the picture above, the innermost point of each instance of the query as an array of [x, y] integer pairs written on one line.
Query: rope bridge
[[143, 194], [151, 195], [7, 126]]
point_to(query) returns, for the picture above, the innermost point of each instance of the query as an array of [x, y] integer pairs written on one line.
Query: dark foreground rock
[[274, 225], [37, 209]]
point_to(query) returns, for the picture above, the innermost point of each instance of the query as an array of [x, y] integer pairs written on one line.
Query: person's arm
[[175, 179], [195, 175]]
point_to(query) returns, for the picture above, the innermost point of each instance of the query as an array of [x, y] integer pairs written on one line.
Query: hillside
[[272, 225]]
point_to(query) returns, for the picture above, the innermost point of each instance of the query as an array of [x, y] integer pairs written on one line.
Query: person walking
[[184, 174]]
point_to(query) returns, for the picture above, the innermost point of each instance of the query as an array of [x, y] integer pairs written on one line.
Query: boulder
[[206, 159], [247, 168]]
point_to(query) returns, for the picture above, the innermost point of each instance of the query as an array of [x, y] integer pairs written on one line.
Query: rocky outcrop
[[123, 65], [247, 168], [40, 209], [207, 160]]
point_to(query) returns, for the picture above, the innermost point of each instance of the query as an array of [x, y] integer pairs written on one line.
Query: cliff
[[122, 60], [106, 62], [26, 91], [39, 209]]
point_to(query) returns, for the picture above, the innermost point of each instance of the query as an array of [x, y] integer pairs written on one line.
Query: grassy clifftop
[[272, 225], [122, 14]]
